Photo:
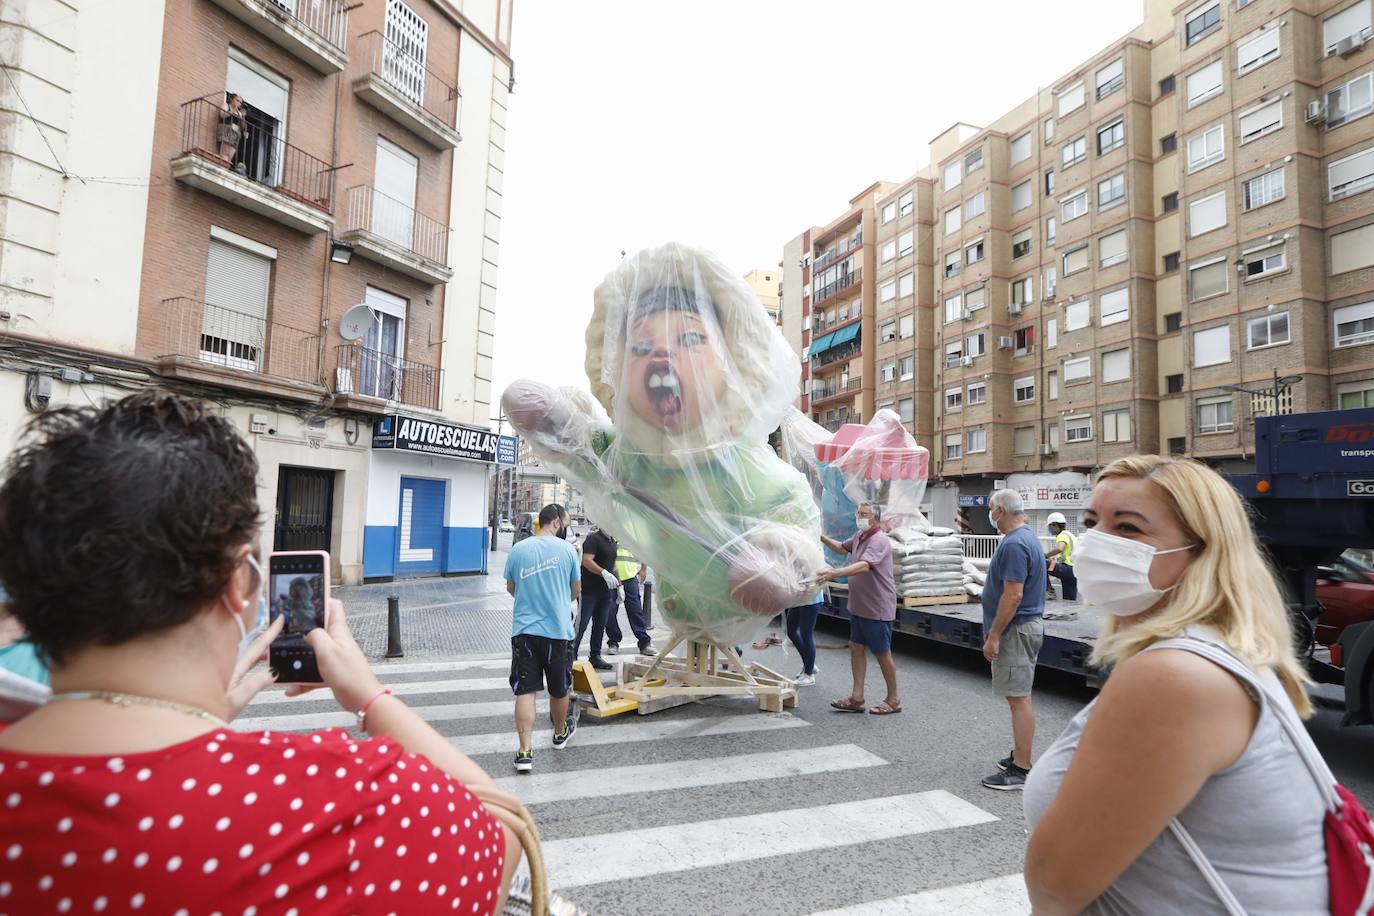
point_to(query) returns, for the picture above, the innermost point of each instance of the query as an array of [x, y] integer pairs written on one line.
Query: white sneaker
[[805, 680]]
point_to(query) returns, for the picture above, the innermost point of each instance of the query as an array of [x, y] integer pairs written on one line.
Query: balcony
[[401, 87], [835, 287], [261, 172], [835, 354], [831, 392], [210, 344], [316, 31], [370, 380], [387, 232]]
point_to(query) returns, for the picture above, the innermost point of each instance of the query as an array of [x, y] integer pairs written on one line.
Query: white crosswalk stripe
[[634, 731], [411, 688], [993, 897]]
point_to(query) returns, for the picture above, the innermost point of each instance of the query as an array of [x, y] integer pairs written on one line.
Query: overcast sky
[[735, 124]]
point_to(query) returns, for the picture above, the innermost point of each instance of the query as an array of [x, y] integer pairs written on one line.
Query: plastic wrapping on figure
[[696, 376], [880, 463]]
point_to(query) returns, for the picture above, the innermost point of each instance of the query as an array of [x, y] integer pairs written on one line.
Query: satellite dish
[[356, 322]]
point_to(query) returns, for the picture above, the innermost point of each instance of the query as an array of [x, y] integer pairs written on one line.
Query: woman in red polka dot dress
[[125, 545]]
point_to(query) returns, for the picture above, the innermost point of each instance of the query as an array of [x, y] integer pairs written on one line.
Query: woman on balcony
[[233, 124]]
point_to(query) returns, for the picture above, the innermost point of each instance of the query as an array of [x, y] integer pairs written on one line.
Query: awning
[[820, 343], [835, 338]]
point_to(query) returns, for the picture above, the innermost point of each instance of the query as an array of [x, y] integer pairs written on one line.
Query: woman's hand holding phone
[[343, 667], [243, 685]]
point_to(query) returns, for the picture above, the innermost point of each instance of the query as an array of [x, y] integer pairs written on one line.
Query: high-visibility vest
[[626, 565]]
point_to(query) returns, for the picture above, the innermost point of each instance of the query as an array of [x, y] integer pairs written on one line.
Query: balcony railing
[[254, 148], [326, 18], [374, 374], [835, 354], [826, 392], [830, 257], [369, 210], [836, 286], [236, 340], [409, 76]]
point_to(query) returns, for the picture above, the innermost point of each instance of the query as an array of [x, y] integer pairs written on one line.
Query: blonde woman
[[1169, 555]]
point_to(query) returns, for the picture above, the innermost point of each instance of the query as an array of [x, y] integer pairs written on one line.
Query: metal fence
[[237, 340], [326, 18], [408, 75], [983, 546], [372, 373], [369, 210], [844, 282]]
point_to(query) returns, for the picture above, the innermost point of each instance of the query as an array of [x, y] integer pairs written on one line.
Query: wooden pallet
[[933, 601], [706, 671]]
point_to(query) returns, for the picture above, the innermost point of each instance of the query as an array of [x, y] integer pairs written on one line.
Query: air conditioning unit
[[967, 314], [1316, 112], [1049, 296], [966, 361], [1005, 343], [1350, 44], [1046, 450], [1015, 308]]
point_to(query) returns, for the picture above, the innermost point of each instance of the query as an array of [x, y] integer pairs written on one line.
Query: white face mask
[[1114, 572], [246, 636], [863, 522]]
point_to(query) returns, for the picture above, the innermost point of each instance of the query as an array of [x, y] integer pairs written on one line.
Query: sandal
[[885, 709], [848, 704], [771, 640]]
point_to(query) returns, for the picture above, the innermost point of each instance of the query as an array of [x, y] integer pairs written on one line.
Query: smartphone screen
[[298, 591]]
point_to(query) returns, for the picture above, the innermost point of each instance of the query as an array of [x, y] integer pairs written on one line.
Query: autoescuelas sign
[[432, 438]]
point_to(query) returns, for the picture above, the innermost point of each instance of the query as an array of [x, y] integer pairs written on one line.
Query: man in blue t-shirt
[[1014, 628], [543, 574]]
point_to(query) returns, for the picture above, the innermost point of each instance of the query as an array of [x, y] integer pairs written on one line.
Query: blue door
[[420, 531]]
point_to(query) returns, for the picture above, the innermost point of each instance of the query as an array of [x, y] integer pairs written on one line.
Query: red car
[[1346, 590]]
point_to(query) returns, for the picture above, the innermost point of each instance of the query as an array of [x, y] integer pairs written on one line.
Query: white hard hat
[[1057, 518]]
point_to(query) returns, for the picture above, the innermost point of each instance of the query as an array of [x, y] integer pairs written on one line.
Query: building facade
[[288, 207], [767, 285]]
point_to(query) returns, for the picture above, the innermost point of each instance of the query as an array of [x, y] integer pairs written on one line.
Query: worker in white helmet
[[1060, 557]]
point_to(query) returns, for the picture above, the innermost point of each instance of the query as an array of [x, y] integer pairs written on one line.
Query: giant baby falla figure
[[695, 376]]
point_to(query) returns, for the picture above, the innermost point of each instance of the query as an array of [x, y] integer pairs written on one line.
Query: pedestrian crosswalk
[[700, 797]]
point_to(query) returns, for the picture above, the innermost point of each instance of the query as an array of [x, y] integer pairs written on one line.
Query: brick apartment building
[[291, 208], [1172, 238]]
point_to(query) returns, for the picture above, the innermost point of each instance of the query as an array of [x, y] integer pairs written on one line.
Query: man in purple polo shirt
[[872, 608]]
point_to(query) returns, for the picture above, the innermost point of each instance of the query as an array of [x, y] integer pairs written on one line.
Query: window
[[1207, 214], [1354, 324], [1267, 330], [889, 250], [887, 331], [975, 205], [1348, 102], [907, 326], [976, 345], [1116, 425], [1021, 196], [1052, 383], [1206, 148], [1355, 394], [1173, 322], [1259, 50], [888, 372], [907, 366], [1021, 148], [1075, 206], [238, 282], [1114, 307], [1168, 144], [1051, 333], [1021, 243], [1201, 22], [1111, 137], [1074, 152], [952, 222], [954, 399], [1204, 84], [974, 252], [1076, 370], [1023, 339], [1212, 346], [1111, 248], [1265, 189], [1049, 132], [977, 394], [954, 444], [906, 285], [952, 264], [1050, 281], [1173, 384], [1049, 182], [1171, 262], [1078, 429], [1075, 260], [1353, 20], [953, 306], [906, 409], [973, 161], [1351, 175], [889, 213], [905, 204], [1071, 99], [1023, 291], [1169, 202], [1110, 78], [1052, 435], [1116, 365], [976, 298], [905, 242], [1264, 261], [1111, 191], [1023, 390], [1051, 230], [1167, 85], [1257, 122], [953, 354], [953, 175], [977, 441], [1214, 415], [887, 291], [1023, 440], [1352, 249], [380, 375], [1178, 445]]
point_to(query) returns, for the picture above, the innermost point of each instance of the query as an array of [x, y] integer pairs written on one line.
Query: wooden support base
[[705, 670]]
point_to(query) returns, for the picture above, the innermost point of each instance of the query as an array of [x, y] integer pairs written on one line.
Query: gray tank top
[[1259, 822]]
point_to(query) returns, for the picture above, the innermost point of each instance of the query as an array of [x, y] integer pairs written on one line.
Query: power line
[[36, 123]]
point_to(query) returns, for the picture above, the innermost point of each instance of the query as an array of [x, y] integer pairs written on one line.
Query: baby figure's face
[[673, 373]]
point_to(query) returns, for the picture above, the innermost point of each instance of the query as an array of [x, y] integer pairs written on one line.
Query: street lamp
[[1280, 383]]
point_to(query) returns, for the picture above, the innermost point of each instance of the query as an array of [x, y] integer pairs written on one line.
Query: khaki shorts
[[1014, 671]]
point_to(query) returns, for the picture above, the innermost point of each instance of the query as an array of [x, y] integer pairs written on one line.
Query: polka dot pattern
[[224, 822]]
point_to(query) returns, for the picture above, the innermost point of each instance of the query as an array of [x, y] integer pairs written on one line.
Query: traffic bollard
[[393, 627]]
